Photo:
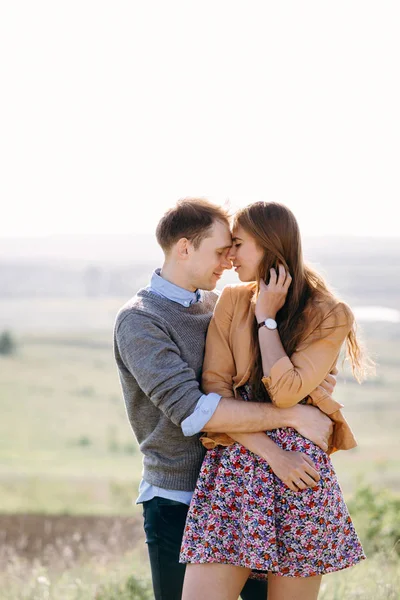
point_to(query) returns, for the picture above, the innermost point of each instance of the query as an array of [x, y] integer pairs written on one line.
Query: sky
[[111, 111]]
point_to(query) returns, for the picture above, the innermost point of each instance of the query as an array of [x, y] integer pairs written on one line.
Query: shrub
[[130, 448], [7, 344], [84, 440], [132, 589], [376, 516]]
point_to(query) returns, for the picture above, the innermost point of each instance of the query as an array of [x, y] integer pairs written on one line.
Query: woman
[[272, 342]]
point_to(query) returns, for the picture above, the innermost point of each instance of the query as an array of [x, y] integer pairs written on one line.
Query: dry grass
[[68, 557]]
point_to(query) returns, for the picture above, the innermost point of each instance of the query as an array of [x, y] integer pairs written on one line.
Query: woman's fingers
[[307, 481], [300, 485], [311, 470], [282, 275], [291, 486], [307, 477], [284, 278], [288, 281], [281, 280]]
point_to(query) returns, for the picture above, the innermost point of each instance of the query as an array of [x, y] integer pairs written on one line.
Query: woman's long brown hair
[[275, 230]]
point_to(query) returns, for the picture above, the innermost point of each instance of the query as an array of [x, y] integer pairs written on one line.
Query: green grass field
[[66, 445], [66, 448]]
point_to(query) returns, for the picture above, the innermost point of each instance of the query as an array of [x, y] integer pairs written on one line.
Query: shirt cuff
[[205, 408]]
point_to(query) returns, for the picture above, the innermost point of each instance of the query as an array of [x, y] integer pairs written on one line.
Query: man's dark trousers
[[164, 523]]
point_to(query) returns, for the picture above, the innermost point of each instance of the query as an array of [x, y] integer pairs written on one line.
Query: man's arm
[[146, 350], [151, 356], [237, 416]]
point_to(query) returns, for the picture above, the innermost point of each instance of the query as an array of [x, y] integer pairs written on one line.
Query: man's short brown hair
[[190, 218]]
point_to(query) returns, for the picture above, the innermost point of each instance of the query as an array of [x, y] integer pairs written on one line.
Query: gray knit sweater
[[159, 349]]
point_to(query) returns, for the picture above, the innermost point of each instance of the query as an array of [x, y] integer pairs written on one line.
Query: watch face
[[271, 324]]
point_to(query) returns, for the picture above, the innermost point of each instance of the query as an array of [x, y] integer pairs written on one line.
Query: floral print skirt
[[243, 514]]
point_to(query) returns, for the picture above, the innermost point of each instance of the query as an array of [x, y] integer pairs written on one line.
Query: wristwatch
[[268, 323]]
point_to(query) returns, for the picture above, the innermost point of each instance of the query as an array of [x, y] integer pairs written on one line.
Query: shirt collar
[[173, 292]]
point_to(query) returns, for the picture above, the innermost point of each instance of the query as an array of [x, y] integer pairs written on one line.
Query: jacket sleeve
[[219, 365], [147, 351], [293, 379]]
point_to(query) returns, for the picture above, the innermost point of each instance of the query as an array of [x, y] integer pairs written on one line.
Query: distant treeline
[[45, 281], [361, 275]]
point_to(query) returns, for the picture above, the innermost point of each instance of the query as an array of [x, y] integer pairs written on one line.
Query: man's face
[[209, 261]]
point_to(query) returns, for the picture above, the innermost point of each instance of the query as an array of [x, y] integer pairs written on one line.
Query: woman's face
[[245, 254]]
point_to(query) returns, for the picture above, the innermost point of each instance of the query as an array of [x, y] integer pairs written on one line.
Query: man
[[159, 346]]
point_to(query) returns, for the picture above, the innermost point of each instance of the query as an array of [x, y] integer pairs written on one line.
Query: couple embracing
[[230, 399]]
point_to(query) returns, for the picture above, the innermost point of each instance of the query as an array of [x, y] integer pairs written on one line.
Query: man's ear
[[183, 247]]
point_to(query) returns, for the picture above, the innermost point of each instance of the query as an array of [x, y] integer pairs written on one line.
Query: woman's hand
[[295, 469], [272, 296]]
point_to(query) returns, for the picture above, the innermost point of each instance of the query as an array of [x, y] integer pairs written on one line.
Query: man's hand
[[329, 382], [311, 423], [295, 469]]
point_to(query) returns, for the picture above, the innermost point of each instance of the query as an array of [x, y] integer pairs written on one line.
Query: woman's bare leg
[[213, 581], [293, 588]]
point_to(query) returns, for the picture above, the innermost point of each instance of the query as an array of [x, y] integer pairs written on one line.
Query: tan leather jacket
[[227, 362]]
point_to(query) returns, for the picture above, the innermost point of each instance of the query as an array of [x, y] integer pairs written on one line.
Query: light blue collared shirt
[[205, 407]]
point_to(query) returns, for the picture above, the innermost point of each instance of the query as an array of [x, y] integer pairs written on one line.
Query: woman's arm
[[295, 469], [289, 380]]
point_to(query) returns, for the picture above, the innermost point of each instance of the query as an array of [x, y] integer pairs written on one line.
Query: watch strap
[[264, 324]]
